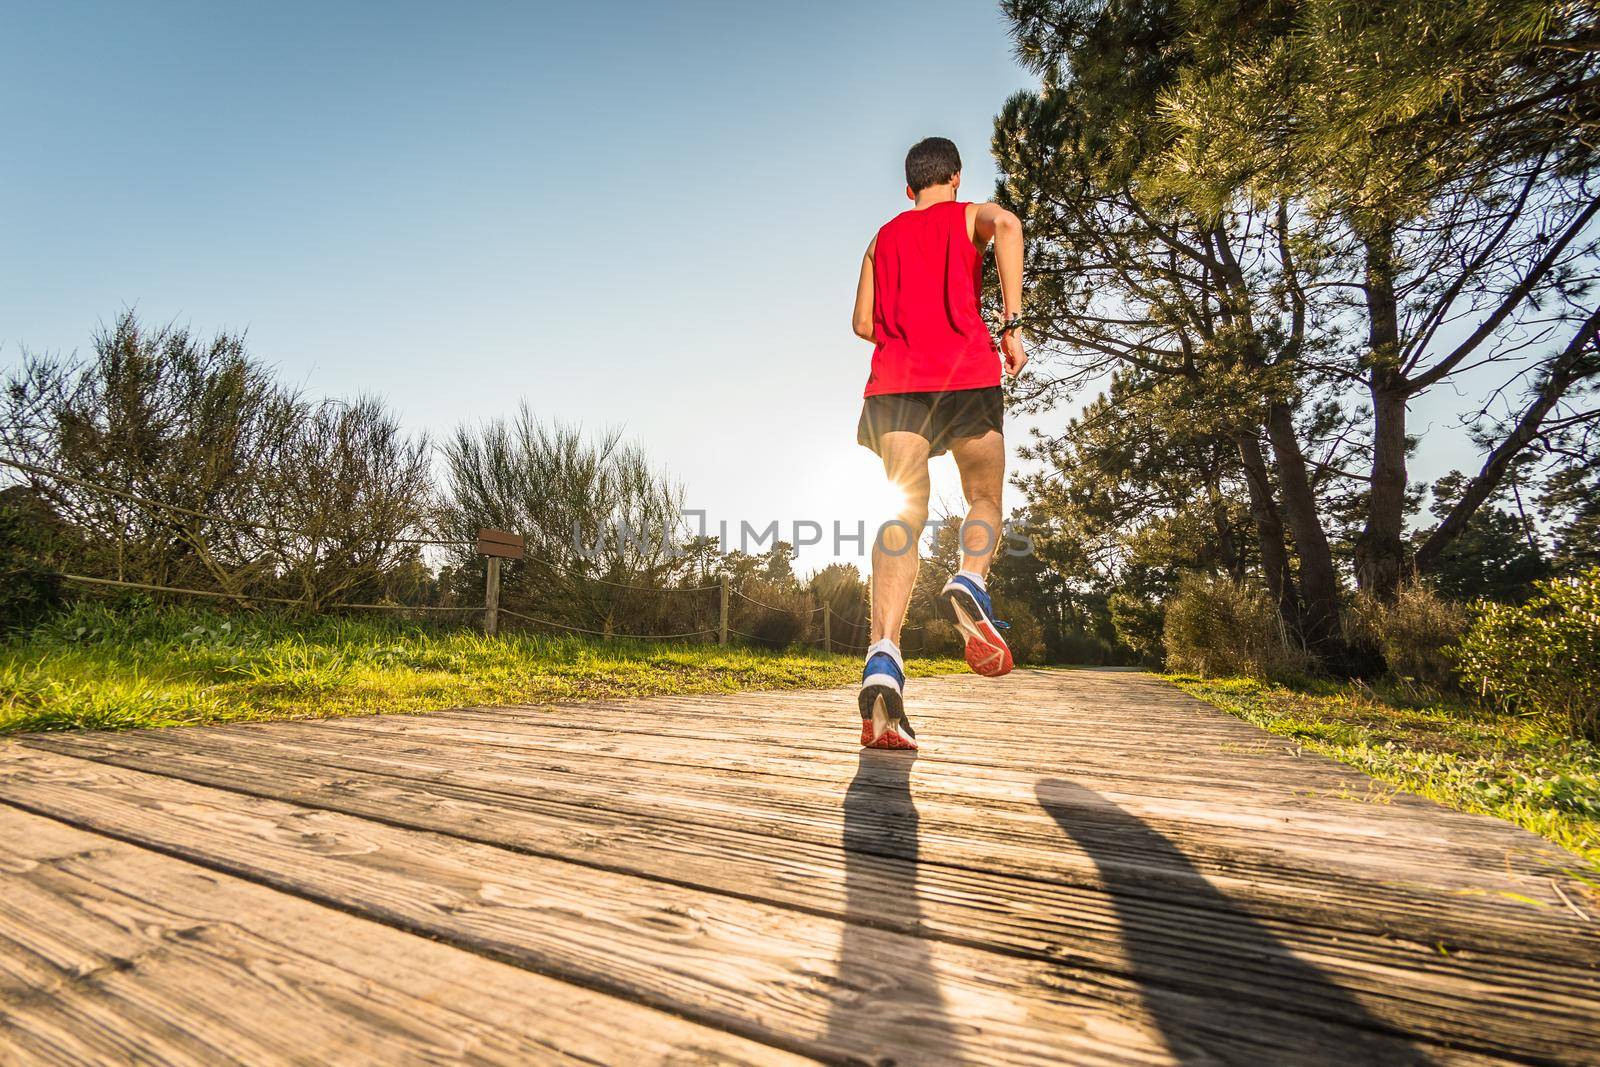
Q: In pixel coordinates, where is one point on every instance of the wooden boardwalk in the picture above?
(1080, 867)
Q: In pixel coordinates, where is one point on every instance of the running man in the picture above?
(935, 388)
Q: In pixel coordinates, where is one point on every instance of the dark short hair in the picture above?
(931, 161)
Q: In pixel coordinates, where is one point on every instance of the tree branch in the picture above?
(1567, 368)
(1535, 274)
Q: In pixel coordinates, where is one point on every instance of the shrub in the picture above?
(28, 586)
(1138, 624)
(1541, 657)
(1215, 626)
(1023, 633)
(1415, 634)
(772, 613)
(1079, 647)
(938, 638)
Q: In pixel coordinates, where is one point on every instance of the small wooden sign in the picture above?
(501, 543)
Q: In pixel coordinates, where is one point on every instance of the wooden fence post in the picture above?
(827, 628)
(491, 598)
(722, 626)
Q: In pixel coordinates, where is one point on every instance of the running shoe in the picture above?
(883, 711)
(966, 604)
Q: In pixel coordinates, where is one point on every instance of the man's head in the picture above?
(932, 161)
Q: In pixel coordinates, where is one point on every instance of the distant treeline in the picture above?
(170, 460)
(166, 459)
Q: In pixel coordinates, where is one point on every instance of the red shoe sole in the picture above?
(880, 703)
(989, 655)
(986, 651)
(890, 738)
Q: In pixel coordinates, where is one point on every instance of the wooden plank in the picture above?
(1206, 944)
(640, 734)
(959, 744)
(114, 954)
(1322, 805)
(1287, 776)
(1333, 891)
(1151, 712)
(1383, 885)
(785, 977)
(1267, 775)
(1046, 699)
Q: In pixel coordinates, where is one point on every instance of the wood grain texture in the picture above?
(114, 954)
(1080, 867)
(1280, 824)
(1481, 991)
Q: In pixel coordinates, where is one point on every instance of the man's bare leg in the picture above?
(894, 550)
(894, 574)
(982, 462)
(965, 597)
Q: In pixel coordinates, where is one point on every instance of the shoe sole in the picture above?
(987, 652)
(883, 719)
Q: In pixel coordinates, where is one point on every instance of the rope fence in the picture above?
(770, 607)
(603, 633)
(246, 598)
(491, 608)
(623, 585)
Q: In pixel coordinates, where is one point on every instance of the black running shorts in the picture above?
(940, 417)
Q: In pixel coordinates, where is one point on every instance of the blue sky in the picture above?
(647, 216)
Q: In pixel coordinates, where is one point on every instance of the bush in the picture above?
(1086, 649)
(1415, 634)
(1215, 626)
(1138, 624)
(939, 638)
(28, 587)
(1023, 633)
(1541, 657)
(771, 613)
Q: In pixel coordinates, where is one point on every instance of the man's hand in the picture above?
(994, 222)
(1011, 349)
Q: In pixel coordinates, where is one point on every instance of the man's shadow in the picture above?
(886, 1002)
(1218, 984)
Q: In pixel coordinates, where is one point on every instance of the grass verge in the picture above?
(95, 668)
(1517, 768)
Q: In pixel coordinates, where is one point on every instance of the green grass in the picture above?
(1518, 768)
(95, 668)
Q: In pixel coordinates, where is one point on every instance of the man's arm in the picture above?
(861, 321)
(995, 223)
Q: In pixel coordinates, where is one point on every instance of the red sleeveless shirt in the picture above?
(926, 277)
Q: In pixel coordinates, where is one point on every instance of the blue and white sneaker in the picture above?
(883, 710)
(966, 604)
